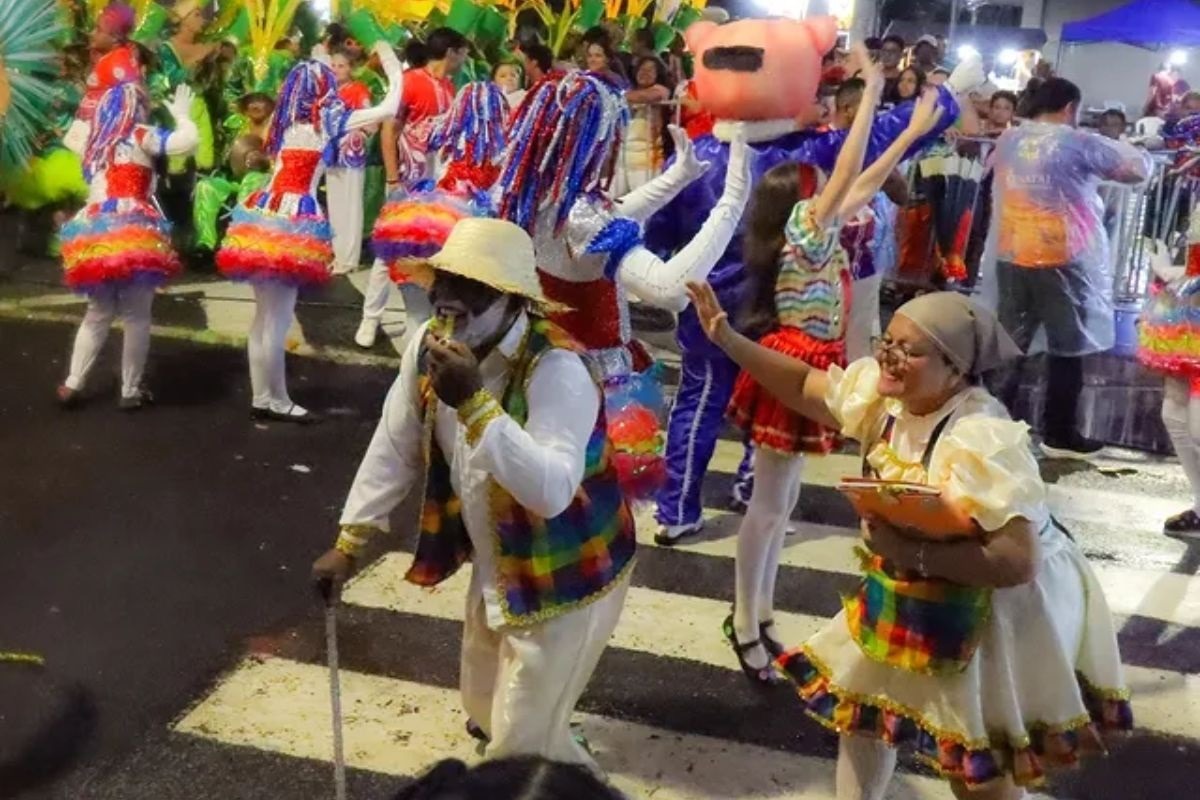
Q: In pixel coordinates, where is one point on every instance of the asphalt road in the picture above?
(147, 555)
(144, 553)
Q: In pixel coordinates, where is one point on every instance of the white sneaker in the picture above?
(669, 535)
(368, 329)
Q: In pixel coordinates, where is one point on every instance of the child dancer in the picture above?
(279, 239)
(802, 283)
(1168, 344)
(117, 250)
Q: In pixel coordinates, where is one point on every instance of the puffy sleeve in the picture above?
(986, 465)
(853, 397)
(594, 227)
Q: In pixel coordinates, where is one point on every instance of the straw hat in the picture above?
(494, 252)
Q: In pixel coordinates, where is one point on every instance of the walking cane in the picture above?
(329, 593)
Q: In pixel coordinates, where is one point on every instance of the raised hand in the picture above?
(714, 321)
(685, 153)
(390, 63)
(861, 65)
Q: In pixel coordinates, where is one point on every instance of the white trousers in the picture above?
(344, 190)
(521, 685)
(375, 299)
(133, 303)
(274, 309)
(863, 322)
(1181, 417)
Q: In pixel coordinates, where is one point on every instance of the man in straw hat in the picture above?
(496, 413)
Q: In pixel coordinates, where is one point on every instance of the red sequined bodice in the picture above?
(297, 171)
(595, 319)
(128, 181)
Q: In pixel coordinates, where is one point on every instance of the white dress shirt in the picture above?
(541, 465)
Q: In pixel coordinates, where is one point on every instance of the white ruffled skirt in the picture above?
(1044, 681)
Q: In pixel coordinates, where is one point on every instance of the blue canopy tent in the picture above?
(1142, 23)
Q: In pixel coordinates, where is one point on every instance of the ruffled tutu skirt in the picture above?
(1169, 330)
(415, 225)
(769, 423)
(1045, 680)
(118, 241)
(287, 242)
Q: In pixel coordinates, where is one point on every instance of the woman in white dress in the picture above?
(993, 657)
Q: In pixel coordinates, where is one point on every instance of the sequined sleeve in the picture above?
(593, 227)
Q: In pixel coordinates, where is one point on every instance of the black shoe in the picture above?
(137, 402)
(1183, 526)
(774, 647)
(295, 415)
(476, 732)
(1074, 445)
(68, 398)
(766, 676)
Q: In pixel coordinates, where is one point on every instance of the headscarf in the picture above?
(970, 336)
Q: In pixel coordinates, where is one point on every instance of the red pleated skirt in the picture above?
(769, 423)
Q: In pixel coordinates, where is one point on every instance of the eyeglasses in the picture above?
(897, 353)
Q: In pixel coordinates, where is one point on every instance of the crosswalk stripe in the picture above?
(1164, 701)
(399, 727)
(1168, 596)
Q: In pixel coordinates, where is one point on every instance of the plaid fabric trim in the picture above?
(975, 762)
(923, 625)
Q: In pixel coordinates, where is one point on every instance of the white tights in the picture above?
(760, 543)
(133, 304)
(1181, 416)
(274, 309)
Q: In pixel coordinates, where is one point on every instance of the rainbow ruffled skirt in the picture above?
(1169, 330)
(117, 242)
(414, 227)
(261, 245)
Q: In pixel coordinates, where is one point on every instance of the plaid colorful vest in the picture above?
(546, 567)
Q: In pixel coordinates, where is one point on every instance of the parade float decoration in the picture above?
(29, 30)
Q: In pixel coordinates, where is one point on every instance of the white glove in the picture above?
(644, 202)
(967, 76)
(1161, 262)
(665, 285)
(180, 106)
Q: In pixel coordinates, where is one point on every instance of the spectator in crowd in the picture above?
(925, 54)
(1001, 109)
(507, 75)
(1189, 104)
(539, 62)
(1053, 270)
(600, 57)
(939, 76)
(647, 143)
(643, 45)
(891, 51)
(1112, 124)
(909, 85)
(1167, 88)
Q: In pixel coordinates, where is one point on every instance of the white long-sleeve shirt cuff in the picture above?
(392, 463)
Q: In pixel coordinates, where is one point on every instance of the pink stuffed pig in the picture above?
(758, 69)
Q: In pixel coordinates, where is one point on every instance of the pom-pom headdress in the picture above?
(28, 30)
(474, 128)
(565, 137)
(121, 110)
(309, 97)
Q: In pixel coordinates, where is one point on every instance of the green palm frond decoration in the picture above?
(29, 30)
